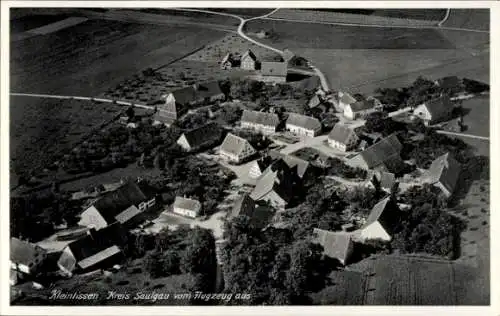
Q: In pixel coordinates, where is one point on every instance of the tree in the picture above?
(130, 113)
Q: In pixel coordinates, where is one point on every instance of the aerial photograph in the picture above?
(249, 156)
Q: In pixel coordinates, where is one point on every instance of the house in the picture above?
(303, 125)
(229, 61)
(359, 109)
(336, 245)
(186, 207)
(236, 149)
(26, 257)
(443, 173)
(124, 205)
(201, 137)
(273, 71)
(345, 99)
(288, 55)
(98, 249)
(381, 223)
(434, 111)
(258, 213)
(263, 122)
(314, 101)
(249, 61)
(382, 156)
(278, 185)
(342, 138)
(257, 167)
(386, 181)
(179, 101)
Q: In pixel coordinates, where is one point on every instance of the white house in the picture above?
(342, 138)
(380, 224)
(236, 149)
(434, 111)
(26, 257)
(359, 109)
(303, 125)
(263, 122)
(187, 207)
(345, 99)
(443, 173)
(248, 61)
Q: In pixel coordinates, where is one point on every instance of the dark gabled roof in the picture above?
(335, 244)
(184, 95)
(362, 105)
(128, 214)
(208, 89)
(244, 205)
(445, 170)
(278, 179)
(294, 163)
(439, 106)
(187, 204)
(24, 252)
(258, 213)
(262, 118)
(387, 180)
(303, 121)
(381, 152)
(386, 212)
(115, 202)
(204, 134)
(273, 68)
(97, 241)
(341, 133)
(233, 144)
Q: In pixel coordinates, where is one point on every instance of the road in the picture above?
(463, 135)
(73, 97)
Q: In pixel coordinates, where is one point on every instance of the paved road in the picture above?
(463, 135)
(445, 17)
(73, 97)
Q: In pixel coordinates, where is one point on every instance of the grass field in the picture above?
(321, 36)
(347, 288)
(243, 12)
(478, 19)
(25, 23)
(417, 14)
(86, 60)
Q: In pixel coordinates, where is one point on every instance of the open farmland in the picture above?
(86, 59)
(42, 128)
(478, 19)
(347, 288)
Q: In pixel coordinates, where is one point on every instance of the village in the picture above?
(271, 160)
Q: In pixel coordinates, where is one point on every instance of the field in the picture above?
(177, 16)
(24, 23)
(347, 288)
(478, 19)
(42, 128)
(478, 123)
(243, 12)
(418, 14)
(86, 59)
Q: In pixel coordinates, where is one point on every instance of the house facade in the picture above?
(236, 149)
(381, 223)
(249, 61)
(303, 125)
(263, 122)
(345, 99)
(203, 136)
(26, 257)
(359, 109)
(187, 207)
(434, 111)
(342, 138)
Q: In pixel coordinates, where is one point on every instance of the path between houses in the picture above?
(72, 97)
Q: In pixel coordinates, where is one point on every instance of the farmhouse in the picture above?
(249, 61)
(303, 125)
(443, 173)
(178, 101)
(205, 136)
(386, 181)
(380, 224)
(359, 109)
(336, 245)
(345, 99)
(229, 61)
(382, 156)
(273, 71)
(258, 213)
(236, 149)
(26, 257)
(124, 205)
(99, 249)
(277, 185)
(266, 123)
(299, 166)
(434, 111)
(342, 138)
(257, 167)
(186, 207)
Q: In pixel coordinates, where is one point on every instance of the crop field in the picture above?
(409, 280)
(347, 288)
(243, 12)
(321, 36)
(194, 17)
(400, 17)
(231, 43)
(42, 128)
(478, 19)
(24, 23)
(84, 60)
